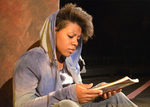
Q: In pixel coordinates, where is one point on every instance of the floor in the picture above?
(103, 74)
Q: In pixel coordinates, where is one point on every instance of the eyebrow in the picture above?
(75, 33)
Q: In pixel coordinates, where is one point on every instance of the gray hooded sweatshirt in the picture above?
(36, 78)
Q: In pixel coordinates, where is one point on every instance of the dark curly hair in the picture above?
(75, 15)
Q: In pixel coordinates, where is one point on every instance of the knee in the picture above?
(66, 103)
(121, 95)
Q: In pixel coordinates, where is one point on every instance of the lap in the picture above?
(119, 100)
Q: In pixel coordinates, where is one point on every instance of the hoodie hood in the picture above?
(48, 42)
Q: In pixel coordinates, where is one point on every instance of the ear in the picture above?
(55, 29)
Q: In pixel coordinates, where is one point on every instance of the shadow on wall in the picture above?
(6, 94)
(36, 44)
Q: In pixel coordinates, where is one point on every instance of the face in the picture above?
(67, 39)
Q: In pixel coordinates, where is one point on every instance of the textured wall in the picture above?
(20, 23)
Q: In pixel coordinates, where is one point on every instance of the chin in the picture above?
(67, 55)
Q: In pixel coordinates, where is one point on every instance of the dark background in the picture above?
(122, 31)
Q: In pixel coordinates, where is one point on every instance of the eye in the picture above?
(70, 36)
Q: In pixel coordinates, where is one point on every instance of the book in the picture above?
(121, 83)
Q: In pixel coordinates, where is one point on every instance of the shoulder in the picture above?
(35, 53)
(33, 57)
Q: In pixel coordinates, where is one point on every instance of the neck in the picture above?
(60, 60)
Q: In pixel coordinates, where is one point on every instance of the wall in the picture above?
(20, 23)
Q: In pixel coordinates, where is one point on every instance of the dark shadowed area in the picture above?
(122, 31)
(120, 45)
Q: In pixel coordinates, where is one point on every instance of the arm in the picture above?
(25, 91)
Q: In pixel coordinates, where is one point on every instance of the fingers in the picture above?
(86, 97)
(118, 90)
(91, 95)
(99, 92)
(106, 95)
(85, 100)
(112, 93)
(84, 94)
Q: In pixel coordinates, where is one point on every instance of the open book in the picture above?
(121, 83)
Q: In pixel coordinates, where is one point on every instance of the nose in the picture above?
(75, 42)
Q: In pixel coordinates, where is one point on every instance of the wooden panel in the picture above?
(20, 23)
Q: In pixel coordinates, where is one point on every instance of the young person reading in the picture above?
(49, 75)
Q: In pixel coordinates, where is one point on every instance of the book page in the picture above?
(121, 83)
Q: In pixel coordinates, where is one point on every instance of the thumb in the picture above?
(87, 86)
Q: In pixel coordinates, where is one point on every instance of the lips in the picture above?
(71, 50)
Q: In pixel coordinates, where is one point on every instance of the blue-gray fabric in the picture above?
(36, 78)
(65, 76)
(119, 100)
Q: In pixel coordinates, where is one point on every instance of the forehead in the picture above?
(73, 28)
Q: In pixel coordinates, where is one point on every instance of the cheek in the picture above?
(64, 44)
(61, 44)
(64, 41)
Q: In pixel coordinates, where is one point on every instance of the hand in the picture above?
(84, 94)
(110, 93)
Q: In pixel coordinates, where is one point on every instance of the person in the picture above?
(49, 75)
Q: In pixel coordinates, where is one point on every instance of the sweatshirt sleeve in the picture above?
(54, 97)
(25, 93)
